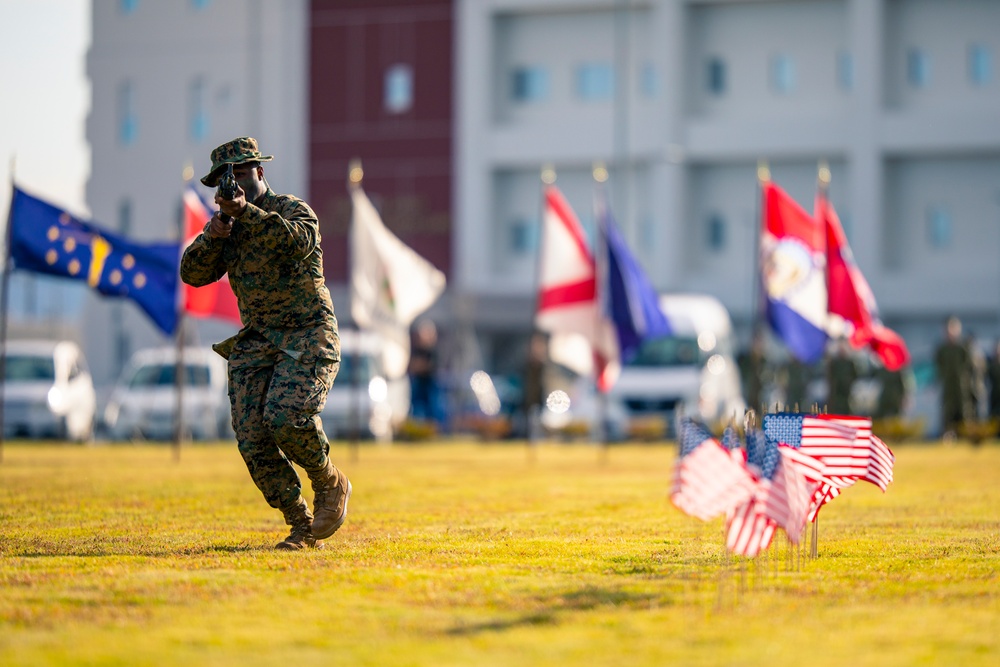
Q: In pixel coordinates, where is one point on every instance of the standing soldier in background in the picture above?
(283, 361)
(993, 378)
(841, 373)
(796, 385)
(533, 399)
(753, 371)
(894, 391)
(951, 361)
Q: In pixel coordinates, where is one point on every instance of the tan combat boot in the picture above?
(298, 517)
(333, 490)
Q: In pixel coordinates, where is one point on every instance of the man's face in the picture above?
(248, 177)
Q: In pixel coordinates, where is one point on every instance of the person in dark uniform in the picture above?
(753, 371)
(533, 398)
(425, 394)
(841, 374)
(952, 364)
(283, 361)
(894, 391)
(993, 378)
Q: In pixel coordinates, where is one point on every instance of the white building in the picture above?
(900, 97)
(171, 81)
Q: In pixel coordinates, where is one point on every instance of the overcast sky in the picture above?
(44, 100)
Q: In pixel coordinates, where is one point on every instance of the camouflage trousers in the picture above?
(276, 402)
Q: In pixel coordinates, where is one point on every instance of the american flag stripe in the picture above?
(882, 461)
(836, 445)
(788, 497)
(749, 531)
(708, 482)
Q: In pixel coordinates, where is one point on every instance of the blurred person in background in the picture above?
(533, 399)
(425, 392)
(841, 374)
(283, 361)
(977, 378)
(895, 389)
(752, 363)
(993, 378)
(796, 385)
(952, 364)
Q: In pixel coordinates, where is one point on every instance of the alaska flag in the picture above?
(793, 274)
(47, 239)
(631, 302)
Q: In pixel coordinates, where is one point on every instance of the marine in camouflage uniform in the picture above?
(952, 364)
(283, 361)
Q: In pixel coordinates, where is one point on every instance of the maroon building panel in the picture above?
(406, 151)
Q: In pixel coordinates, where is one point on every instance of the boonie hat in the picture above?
(237, 151)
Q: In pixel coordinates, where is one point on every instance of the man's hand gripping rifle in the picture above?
(227, 189)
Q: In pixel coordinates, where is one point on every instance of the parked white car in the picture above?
(693, 369)
(363, 401)
(144, 401)
(48, 391)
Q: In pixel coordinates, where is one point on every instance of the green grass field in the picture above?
(474, 554)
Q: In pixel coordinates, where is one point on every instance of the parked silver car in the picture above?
(48, 391)
(144, 401)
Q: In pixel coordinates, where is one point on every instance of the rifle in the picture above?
(227, 189)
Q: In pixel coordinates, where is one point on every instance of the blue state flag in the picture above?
(47, 239)
(632, 303)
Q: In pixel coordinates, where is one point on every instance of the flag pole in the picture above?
(355, 175)
(4, 291)
(547, 176)
(822, 188)
(600, 175)
(757, 297)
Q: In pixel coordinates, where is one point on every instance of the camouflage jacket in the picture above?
(275, 266)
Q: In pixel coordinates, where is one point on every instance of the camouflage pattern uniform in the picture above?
(283, 362)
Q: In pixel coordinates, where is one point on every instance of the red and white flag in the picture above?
(850, 297)
(215, 299)
(581, 338)
(749, 530)
(708, 482)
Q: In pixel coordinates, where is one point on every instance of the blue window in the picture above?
(398, 88)
(918, 68)
(128, 124)
(198, 119)
(200, 4)
(939, 227)
(716, 232)
(523, 236)
(595, 81)
(530, 84)
(649, 80)
(716, 76)
(128, 6)
(845, 70)
(980, 64)
(782, 73)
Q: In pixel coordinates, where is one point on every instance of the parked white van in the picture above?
(48, 391)
(693, 369)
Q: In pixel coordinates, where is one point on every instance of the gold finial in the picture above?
(600, 172)
(187, 173)
(763, 171)
(548, 174)
(354, 171)
(824, 173)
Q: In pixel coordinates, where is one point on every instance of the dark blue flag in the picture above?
(632, 304)
(47, 239)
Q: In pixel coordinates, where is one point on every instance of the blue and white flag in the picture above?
(47, 239)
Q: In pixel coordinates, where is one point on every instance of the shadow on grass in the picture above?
(585, 599)
(117, 551)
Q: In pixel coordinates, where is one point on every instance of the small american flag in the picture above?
(748, 530)
(708, 481)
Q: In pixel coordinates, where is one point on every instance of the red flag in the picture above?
(849, 295)
(216, 299)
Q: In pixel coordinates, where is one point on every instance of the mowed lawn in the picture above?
(484, 554)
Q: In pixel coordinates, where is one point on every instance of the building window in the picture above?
(200, 4)
(939, 227)
(523, 237)
(716, 232)
(198, 111)
(716, 76)
(530, 84)
(980, 64)
(918, 68)
(595, 81)
(398, 88)
(845, 71)
(649, 80)
(128, 124)
(782, 74)
(128, 6)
